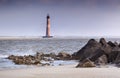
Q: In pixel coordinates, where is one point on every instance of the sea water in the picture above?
(31, 46)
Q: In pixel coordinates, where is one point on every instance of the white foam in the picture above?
(3, 56)
(22, 53)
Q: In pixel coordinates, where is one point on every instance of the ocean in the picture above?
(31, 46)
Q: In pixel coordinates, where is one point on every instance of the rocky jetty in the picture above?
(96, 53)
(39, 58)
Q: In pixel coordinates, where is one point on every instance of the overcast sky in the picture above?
(68, 17)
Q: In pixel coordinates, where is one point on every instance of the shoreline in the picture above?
(54, 64)
(59, 65)
(66, 71)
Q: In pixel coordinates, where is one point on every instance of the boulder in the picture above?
(102, 60)
(64, 56)
(46, 64)
(98, 57)
(119, 45)
(86, 63)
(88, 50)
(39, 55)
(111, 44)
(97, 54)
(117, 60)
(116, 44)
(36, 62)
(107, 48)
(103, 41)
(112, 56)
(18, 61)
(26, 60)
(53, 55)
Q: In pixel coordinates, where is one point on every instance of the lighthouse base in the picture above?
(47, 36)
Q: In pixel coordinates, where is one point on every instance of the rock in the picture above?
(103, 41)
(26, 60)
(117, 60)
(116, 49)
(39, 55)
(61, 64)
(64, 56)
(11, 57)
(46, 64)
(48, 59)
(86, 63)
(88, 50)
(119, 45)
(107, 49)
(53, 55)
(36, 59)
(37, 62)
(116, 44)
(112, 56)
(97, 54)
(102, 60)
(111, 44)
(98, 57)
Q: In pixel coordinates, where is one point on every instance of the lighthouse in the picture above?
(48, 28)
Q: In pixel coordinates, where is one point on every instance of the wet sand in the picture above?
(67, 71)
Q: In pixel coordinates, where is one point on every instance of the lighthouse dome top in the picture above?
(48, 16)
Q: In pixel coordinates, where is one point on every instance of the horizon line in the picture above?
(61, 36)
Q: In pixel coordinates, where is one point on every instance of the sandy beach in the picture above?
(67, 71)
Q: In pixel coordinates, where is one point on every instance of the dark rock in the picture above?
(37, 62)
(116, 44)
(107, 48)
(39, 55)
(98, 58)
(119, 45)
(97, 54)
(46, 64)
(102, 60)
(116, 49)
(88, 50)
(48, 59)
(53, 55)
(86, 63)
(11, 57)
(64, 56)
(117, 60)
(27, 60)
(18, 61)
(111, 44)
(112, 56)
(38, 58)
(103, 41)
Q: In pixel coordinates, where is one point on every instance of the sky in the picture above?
(68, 17)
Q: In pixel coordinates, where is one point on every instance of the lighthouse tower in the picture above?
(48, 28)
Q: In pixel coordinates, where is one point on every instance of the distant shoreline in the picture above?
(41, 37)
(11, 37)
(82, 37)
